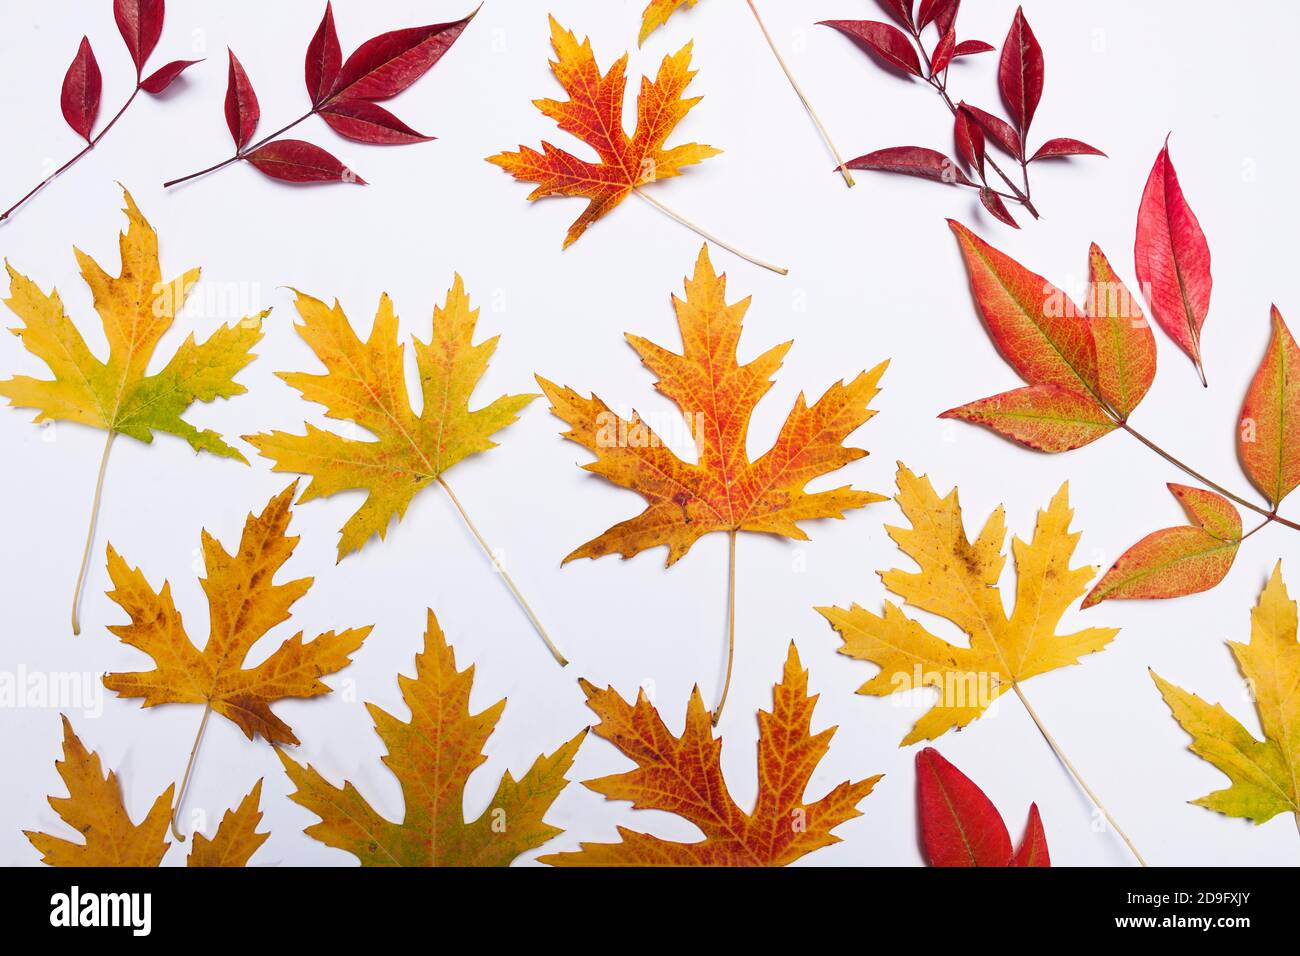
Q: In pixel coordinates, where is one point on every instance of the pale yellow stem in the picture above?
(731, 623)
(781, 270)
(90, 534)
(189, 769)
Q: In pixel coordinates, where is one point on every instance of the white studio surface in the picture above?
(874, 274)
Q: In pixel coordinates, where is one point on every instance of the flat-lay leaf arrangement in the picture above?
(1086, 370)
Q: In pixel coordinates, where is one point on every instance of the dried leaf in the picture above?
(996, 207)
(1048, 418)
(1268, 433)
(887, 43)
(432, 756)
(656, 15)
(82, 85)
(683, 775)
(1126, 348)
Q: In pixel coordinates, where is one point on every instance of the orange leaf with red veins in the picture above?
(1268, 434)
(1126, 347)
(723, 490)
(594, 113)
(1044, 417)
(1174, 562)
(683, 775)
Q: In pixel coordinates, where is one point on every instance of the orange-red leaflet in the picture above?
(723, 490)
(682, 774)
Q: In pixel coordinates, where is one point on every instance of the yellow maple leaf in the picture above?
(957, 579)
(683, 775)
(1264, 773)
(244, 604)
(432, 756)
(657, 13)
(94, 808)
(364, 382)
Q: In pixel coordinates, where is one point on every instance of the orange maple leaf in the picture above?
(594, 113)
(683, 775)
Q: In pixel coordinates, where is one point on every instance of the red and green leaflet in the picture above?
(902, 49)
(343, 93)
(961, 827)
(140, 22)
(1087, 369)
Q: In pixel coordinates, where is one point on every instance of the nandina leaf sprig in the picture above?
(594, 114)
(723, 490)
(1087, 369)
(344, 93)
(959, 579)
(140, 22)
(1020, 80)
(118, 395)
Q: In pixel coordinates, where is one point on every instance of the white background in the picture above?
(874, 273)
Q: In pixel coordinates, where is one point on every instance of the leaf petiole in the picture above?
(731, 623)
(780, 270)
(189, 770)
(90, 534)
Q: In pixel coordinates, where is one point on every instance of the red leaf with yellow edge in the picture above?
(433, 755)
(885, 42)
(1046, 418)
(94, 808)
(244, 603)
(1174, 562)
(682, 774)
(1268, 433)
(1172, 259)
(1126, 348)
(724, 490)
(594, 113)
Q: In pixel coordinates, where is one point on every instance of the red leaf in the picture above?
(971, 47)
(242, 111)
(323, 58)
(943, 52)
(367, 122)
(1020, 72)
(1172, 259)
(384, 66)
(81, 88)
(996, 207)
(1209, 510)
(1064, 146)
(140, 22)
(1268, 434)
(970, 139)
(1126, 349)
(164, 76)
(999, 130)
(888, 43)
(913, 161)
(1046, 418)
(959, 824)
(296, 161)
(941, 13)
(900, 10)
(1169, 563)
(1033, 846)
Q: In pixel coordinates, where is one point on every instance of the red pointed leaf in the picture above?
(971, 47)
(941, 13)
(140, 22)
(82, 85)
(1268, 433)
(1126, 347)
(996, 207)
(296, 161)
(1042, 417)
(943, 52)
(1020, 72)
(913, 161)
(324, 58)
(242, 111)
(1042, 334)
(900, 10)
(970, 140)
(1172, 259)
(886, 42)
(1033, 846)
(163, 77)
(1064, 146)
(368, 122)
(959, 824)
(387, 64)
(998, 129)
(1169, 563)
(1208, 510)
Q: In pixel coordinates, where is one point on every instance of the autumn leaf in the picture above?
(657, 13)
(961, 827)
(1268, 433)
(683, 776)
(1263, 773)
(1020, 73)
(958, 579)
(94, 808)
(1174, 562)
(244, 604)
(594, 113)
(433, 755)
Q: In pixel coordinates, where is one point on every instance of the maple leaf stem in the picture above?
(90, 534)
(91, 144)
(731, 623)
(1060, 754)
(496, 565)
(189, 770)
(708, 235)
(242, 153)
(812, 114)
